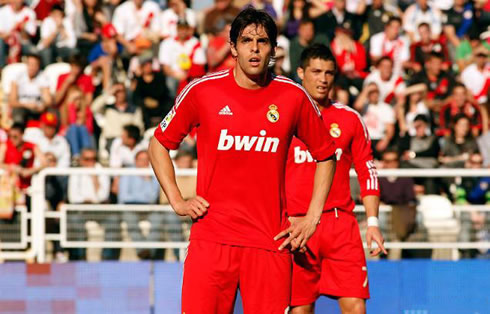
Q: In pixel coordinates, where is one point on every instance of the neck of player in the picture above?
(323, 102)
(248, 81)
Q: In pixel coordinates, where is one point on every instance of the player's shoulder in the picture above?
(288, 85)
(209, 80)
(351, 116)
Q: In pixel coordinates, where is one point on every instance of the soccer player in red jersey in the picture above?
(334, 263)
(245, 120)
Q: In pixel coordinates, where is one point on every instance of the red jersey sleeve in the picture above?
(310, 129)
(362, 156)
(179, 121)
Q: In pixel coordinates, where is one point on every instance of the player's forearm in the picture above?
(371, 204)
(164, 171)
(324, 174)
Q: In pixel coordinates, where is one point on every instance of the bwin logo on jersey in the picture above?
(301, 156)
(247, 143)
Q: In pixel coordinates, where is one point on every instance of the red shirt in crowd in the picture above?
(217, 43)
(243, 141)
(353, 145)
(22, 156)
(450, 110)
(350, 61)
(84, 81)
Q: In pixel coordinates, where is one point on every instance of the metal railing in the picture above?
(36, 241)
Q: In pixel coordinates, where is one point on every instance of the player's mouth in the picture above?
(321, 89)
(254, 61)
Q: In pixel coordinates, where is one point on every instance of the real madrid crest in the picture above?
(335, 130)
(273, 114)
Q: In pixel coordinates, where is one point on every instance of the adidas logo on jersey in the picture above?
(226, 111)
(301, 156)
(247, 143)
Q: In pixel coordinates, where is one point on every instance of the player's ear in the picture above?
(301, 73)
(234, 52)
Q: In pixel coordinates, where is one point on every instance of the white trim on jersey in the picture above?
(212, 76)
(289, 81)
(341, 106)
(372, 182)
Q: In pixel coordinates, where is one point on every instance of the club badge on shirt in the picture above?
(273, 114)
(335, 130)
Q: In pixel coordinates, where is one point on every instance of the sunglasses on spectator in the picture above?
(390, 160)
(89, 158)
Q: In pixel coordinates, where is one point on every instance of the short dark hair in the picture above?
(133, 132)
(421, 117)
(384, 58)
(435, 54)
(18, 126)
(306, 21)
(459, 84)
(58, 7)
(35, 56)
(251, 16)
(394, 19)
(316, 51)
(78, 60)
(424, 24)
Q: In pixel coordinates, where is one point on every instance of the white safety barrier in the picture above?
(35, 243)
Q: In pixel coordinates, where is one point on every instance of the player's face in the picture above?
(253, 50)
(318, 78)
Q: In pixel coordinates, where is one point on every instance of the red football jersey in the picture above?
(243, 142)
(353, 145)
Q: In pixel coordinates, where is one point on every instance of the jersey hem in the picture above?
(241, 244)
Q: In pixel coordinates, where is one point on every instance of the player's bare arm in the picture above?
(164, 170)
(302, 228)
(371, 204)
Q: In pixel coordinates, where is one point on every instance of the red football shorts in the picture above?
(213, 272)
(334, 265)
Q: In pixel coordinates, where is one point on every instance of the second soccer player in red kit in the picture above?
(245, 120)
(334, 263)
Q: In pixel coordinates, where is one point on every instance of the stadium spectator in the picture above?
(476, 76)
(338, 16)
(145, 190)
(58, 38)
(55, 185)
(399, 192)
(88, 20)
(112, 117)
(391, 85)
(177, 10)
(439, 83)
(89, 189)
(138, 25)
(151, 93)
(391, 44)
(22, 158)
(422, 12)
(53, 143)
(74, 77)
(462, 102)
(218, 53)
(414, 106)
(29, 94)
(458, 21)
(457, 148)
(76, 122)
(17, 30)
(263, 5)
(124, 148)
(222, 9)
(182, 58)
(297, 10)
(421, 49)
(379, 118)
(105, 57)
(377, 14)
(306, 37)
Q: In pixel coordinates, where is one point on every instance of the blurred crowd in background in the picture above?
(85, 82)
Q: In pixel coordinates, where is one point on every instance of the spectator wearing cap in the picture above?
(306, 37)
(177, 10)
(29, 94)
(422, 12)
(391, 44)
(89, 18)
(58, 39)
(391, 85)
(77, 77)
(378, 116)
(338, 16)
(461, 102)
(458, 146)
(421, 49)
(138, 24)
(414, 106)
(17, 29)
(476, 76)
(439, 83)
(151, 93)
(219, 52)
(105, 56)
(182, 58)
(351, 60)
(220, 9)
(53, 143)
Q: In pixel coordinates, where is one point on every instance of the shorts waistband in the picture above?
(336, 210)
